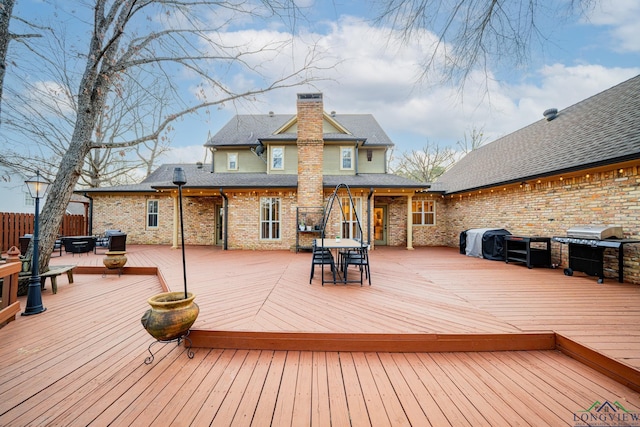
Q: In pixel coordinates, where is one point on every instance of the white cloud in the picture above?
(374, 76)
(185, 154)
(622, 16)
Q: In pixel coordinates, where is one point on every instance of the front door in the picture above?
(380, 225)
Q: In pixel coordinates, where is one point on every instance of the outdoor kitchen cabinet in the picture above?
(520, 249)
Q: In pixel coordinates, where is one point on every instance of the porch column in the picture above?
(409, 223)
(176, 221)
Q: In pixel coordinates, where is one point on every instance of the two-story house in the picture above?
(270, 176)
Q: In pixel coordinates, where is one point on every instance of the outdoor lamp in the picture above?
(180, 179)
(37, 189)
(37, 186)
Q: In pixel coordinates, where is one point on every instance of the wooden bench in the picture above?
(54, 272)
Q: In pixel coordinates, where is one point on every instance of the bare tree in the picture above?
(44, 114)
(425, 165)
(161, 38)
(6, 9)
(472, 140)
(471, 34)
(6, 14)
(129, 114)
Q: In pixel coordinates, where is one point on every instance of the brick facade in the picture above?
(310, 149)
(548, 208)
(128, 213)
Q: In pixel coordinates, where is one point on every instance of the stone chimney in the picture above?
(310, 149)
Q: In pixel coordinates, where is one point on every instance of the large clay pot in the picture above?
(170, 316)
(115, 260)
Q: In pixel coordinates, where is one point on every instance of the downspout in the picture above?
(356, 158)
(409, 222)
(90, 219)
(225, 208)
(386, 160)
(369, 215)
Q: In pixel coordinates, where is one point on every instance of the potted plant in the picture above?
(309, 223)
(172, 313)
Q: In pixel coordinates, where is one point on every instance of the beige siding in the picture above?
(331, 165)
(290, 159)
(377, 163)
(247, 160)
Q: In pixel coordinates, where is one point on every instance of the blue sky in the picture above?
(374, 76)
(582, 59)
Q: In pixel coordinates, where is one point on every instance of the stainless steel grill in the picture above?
(586, 248)
(598, 232)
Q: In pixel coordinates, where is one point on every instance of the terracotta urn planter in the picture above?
(170, 316)
(114, 259)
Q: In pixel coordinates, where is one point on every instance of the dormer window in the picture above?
(232, 161)
(346, 158)
(277, 158)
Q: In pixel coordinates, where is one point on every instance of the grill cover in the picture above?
(485, 243)
(595, 231)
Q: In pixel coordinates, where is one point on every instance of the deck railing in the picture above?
(9, 305)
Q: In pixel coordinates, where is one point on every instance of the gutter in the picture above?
(369, 215)
(90, 219)
(226, 221)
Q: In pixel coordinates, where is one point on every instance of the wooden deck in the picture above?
(300, 354)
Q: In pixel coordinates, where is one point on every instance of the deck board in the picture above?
(81, 361)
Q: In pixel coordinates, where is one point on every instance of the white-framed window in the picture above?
(346, 158)
(277, 158)
(28, 200)
(232, 161)
(350, 216)
(424, 212)
(270, 218)
(152, 213)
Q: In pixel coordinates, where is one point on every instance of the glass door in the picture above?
(380, 225)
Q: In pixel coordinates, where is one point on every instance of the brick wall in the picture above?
(128, 213)
(199, 220)
(548, 208)
(310, 149)
(244, 220)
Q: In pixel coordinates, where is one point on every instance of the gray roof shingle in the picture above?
(200, 177)
(245, 129)
(603, 129)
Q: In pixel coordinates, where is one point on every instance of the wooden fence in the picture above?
(15, 225)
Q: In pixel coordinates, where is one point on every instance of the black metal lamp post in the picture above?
(37, 189)
(180, 179)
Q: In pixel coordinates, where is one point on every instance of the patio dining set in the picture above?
(348, 252)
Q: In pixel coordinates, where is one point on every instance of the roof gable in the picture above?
(329, 126)
(247, 130)
(603, 129)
